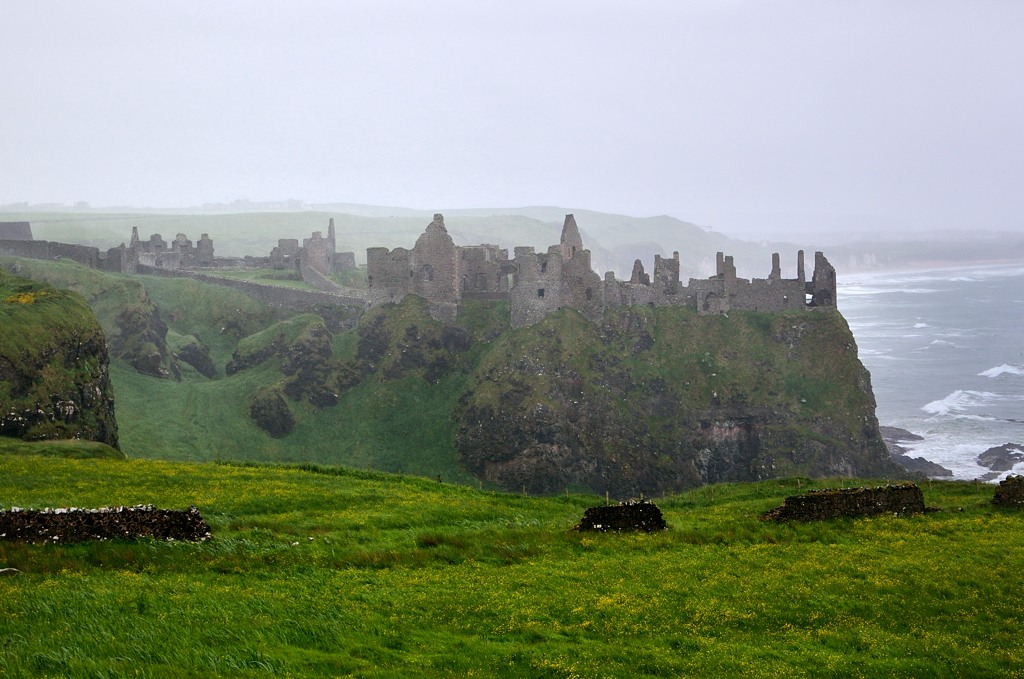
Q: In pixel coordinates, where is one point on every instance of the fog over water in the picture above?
(758, 118)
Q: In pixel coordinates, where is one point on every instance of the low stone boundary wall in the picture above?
(833, 503)
(625, 516)
(106, 523)
(1009, 492)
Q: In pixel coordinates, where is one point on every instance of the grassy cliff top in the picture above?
(32, 314)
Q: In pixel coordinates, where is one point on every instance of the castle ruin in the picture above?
(444, 274)
(178, 254)
(537, 284)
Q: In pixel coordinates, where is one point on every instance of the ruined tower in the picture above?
(571, 242)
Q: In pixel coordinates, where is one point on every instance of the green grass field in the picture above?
(335, 572)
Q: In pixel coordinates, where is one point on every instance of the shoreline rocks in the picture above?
(893, 437)
(1002, 458)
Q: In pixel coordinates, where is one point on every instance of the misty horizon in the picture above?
(758, 120)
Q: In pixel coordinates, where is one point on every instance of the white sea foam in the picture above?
(1016, 470)
(959, 401)
(938, 344)
(921, 325)
(1004, 369)
(959, 458)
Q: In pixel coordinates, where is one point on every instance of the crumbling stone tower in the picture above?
(430, 270)
(562, 277)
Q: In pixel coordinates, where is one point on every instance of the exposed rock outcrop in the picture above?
(660, 399)
(270, 411)
(141, 339)
(1002, 458)
(54, 372)
(197, 355)
(894, 437)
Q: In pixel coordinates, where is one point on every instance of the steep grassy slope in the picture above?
(54, 379)
(333, 572)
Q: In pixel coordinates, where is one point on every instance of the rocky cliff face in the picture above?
(658, 399)
(54, 378)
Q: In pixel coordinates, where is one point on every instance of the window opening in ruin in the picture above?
(543, 266)
(540, 292)
(428, 272)
(808, 299)
(590, 293)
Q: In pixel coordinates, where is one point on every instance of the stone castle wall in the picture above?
(45, 249)
(15, 231)
(537, 284)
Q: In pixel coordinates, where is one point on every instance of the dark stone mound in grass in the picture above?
(1010, 492)
(833, 503)
(106, 523)
(625, 516)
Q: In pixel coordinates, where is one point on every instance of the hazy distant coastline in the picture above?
(244, 228)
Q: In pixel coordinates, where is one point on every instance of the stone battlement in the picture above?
(538, 284)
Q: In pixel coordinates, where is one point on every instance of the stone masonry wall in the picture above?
(833, 503)
(542, 283)
(15, 231)
(44, 249)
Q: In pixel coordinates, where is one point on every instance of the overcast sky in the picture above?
(751, 116)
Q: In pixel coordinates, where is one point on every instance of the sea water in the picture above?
(945, 349)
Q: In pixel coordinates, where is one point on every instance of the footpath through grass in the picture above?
(333, 572)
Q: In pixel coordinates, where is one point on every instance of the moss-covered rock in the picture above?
(54, 373)
(658, 399)
(270, 411)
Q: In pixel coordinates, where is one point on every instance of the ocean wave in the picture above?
(1004, 369)
(938, 344)
(856, 291)
(921, 325)
(959, 401)
(977, 418)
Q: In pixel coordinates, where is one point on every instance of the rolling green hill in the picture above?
(335, 572)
